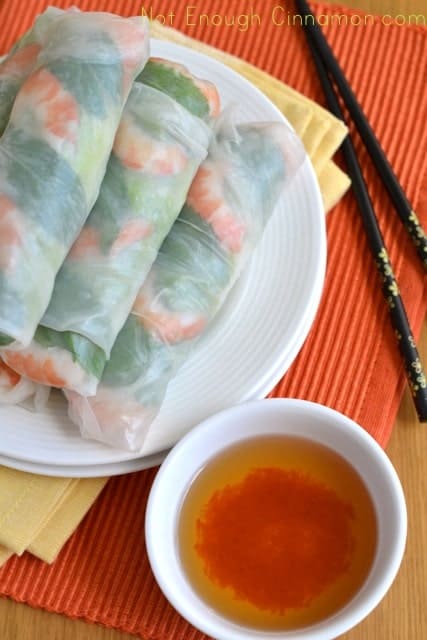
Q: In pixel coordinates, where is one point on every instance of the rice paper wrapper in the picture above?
(54, 152)
(230, 202)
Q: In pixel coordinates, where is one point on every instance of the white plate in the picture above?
(253, 342)
(93, 471)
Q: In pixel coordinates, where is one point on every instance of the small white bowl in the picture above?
(264, 417)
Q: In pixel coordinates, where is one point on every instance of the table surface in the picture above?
(402, 614)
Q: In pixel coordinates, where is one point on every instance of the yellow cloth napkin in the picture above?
(64, 519)
(25, 501)
(39, 513)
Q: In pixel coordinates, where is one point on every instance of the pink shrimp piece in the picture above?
(21, 62)
(132, 231)
(211, 94)
(138, 151)
(86, 245)
(41, 370)
(206, 88)
(131, 40)
(55, 108)
(207, 200)
(11, 233)
(8, 377)
(170, 326)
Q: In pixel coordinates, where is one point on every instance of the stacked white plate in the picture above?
(251, 344)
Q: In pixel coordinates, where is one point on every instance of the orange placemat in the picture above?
(349, 361)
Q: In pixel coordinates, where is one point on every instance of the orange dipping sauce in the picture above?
(277, 532)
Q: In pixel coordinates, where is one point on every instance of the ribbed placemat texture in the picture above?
(349, 361)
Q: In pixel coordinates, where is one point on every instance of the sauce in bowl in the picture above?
(277, 532)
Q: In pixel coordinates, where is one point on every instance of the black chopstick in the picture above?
(398, 196)
(399, 318)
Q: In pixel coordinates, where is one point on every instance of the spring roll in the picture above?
(54, 153)
(231, 199)
(157, 151)
(17, 65)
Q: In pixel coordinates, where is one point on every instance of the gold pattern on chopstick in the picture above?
(417, 232)
(420, 381)
(410, 339)
(386, 270)
(394, 289)
(413, 218)
(385, 264)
